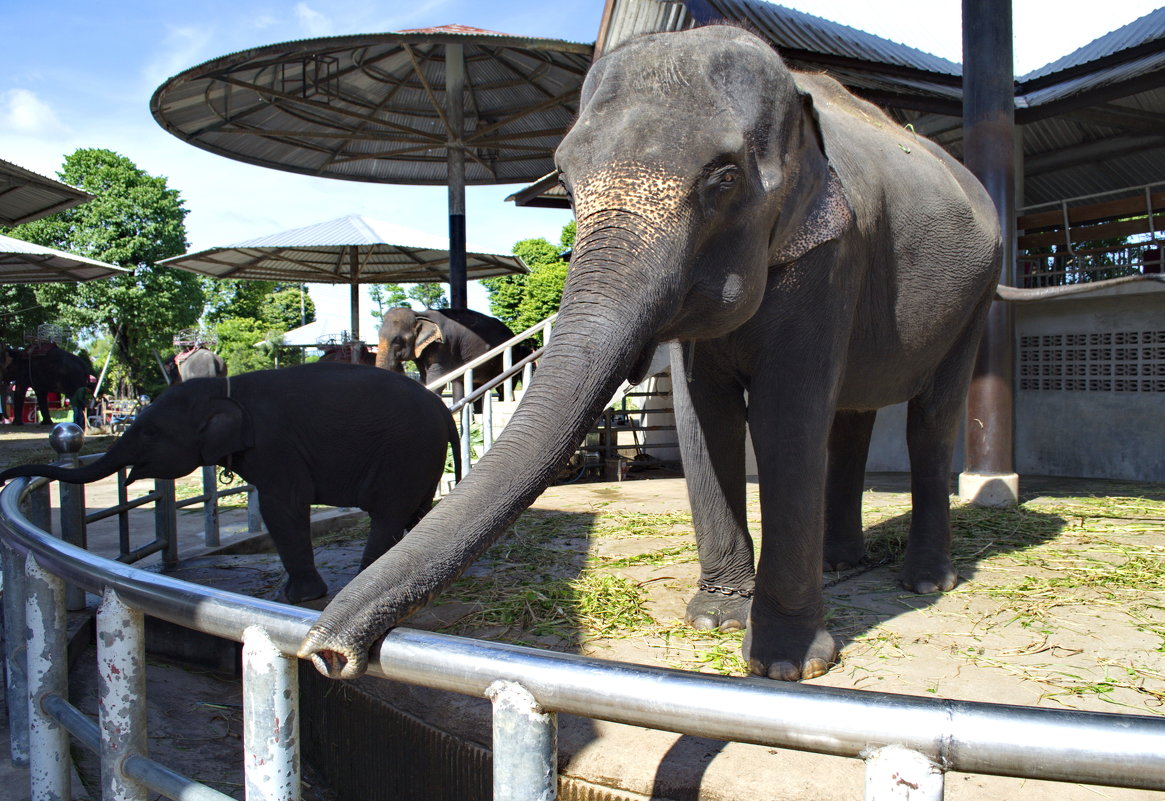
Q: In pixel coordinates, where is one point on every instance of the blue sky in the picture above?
(80, 74)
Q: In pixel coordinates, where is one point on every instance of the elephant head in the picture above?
(404, 335)
(194, 423)
(695, 167)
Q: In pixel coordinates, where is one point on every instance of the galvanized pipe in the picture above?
(169, 783)
(270, 719)
(1060, 745)
(525, 745)
(121, 675)
(15, 655)
(48, 741)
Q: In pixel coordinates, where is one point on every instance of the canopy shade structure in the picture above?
(350, 250)
(450, 105)
(25, 263)
(26, 196)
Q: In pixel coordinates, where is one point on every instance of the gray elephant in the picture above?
(440, 341)
(332, 433)
(198, 362)
(809, 261)
(47, 367)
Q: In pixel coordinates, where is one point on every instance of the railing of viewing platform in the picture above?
(908, 743)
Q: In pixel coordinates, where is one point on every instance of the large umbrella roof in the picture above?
(372, 107)
(347, 250)
(26, 196)
(26, 263)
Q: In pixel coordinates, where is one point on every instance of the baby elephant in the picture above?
(326, 433)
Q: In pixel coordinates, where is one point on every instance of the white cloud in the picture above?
(23, 112)
(181, 48)
(313, 22)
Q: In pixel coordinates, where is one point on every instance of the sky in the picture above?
(81, 74)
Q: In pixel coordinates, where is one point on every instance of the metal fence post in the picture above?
(895, 773)
(16, 655)
(210, 527)
(166, 520)
(270, 719)
(121, 673)
(254, 517)
(48, 741)
(525, 745)
(66, 439)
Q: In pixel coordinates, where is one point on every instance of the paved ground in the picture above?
(1061, 605)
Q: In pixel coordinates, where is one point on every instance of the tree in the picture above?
(133, 221)
(521, 301)
(286, 308)
(431, 296)
(387, 296)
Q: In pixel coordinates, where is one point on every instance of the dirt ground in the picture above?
(1061, 604)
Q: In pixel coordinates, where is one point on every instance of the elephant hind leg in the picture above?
(387, 527)
(289, 524)
(849, 445)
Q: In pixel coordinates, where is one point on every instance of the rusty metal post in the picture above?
(989, 477)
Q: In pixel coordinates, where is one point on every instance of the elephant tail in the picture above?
(455, 445)
(1016, 295)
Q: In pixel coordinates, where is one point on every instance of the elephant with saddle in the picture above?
(806, 261)
(329, 433)
(47, 367)
(198, 362)
(440, 341)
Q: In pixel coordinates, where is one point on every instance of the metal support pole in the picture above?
(989, 477)
(66, 439)
(895, 773)
(166, 520)
(270, 719)
(211, 525)
(354, 291)
(121, 673)
(455, 148)
(48, 741)
(16, 655)
(466, 434)
(254, 517)
(507, 363)
(525, 745)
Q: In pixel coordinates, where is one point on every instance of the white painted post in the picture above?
(894, 773)
(270, 720)
(47, 665)
(121, 675)
(16, 655)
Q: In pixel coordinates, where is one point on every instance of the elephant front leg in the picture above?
(849, 445)
(786, 637)
(710, 424)
(289, 524)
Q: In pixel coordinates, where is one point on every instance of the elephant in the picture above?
(440, 341)
(331, 433)
(806, 261)
(47, 367)
(198, 362)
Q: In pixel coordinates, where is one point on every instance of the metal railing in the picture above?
(908, 743)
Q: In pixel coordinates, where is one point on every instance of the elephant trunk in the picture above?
(610, 312)
(107, 465)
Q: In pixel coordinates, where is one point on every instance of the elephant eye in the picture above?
(727, 177)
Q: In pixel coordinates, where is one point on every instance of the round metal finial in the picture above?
(67, 438)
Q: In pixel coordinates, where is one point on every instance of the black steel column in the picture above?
(989, 141)
(455, 100)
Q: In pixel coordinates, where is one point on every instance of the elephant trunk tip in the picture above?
(333, 660)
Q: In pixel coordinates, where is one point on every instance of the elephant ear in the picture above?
(828, 212)
(428, 333)
(226, 429)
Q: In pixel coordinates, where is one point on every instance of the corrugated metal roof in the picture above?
(372, 107)
(26, 196)
(346, 250)
(28, 263)
(1148, 28)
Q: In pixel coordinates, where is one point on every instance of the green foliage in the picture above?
(431, 296)
(387, 296)
(133, 221)
(239, 346)
(521, 301)
(286, 309)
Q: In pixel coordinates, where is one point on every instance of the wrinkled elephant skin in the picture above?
(328, 433)
(809, 261)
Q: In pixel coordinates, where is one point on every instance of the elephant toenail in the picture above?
(704, 622)
(814, 668)
(784, 671)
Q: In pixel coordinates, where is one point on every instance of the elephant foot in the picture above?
(924, 575)
(715, 607)
(843, 555)
(303, 589)
(788, 649)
